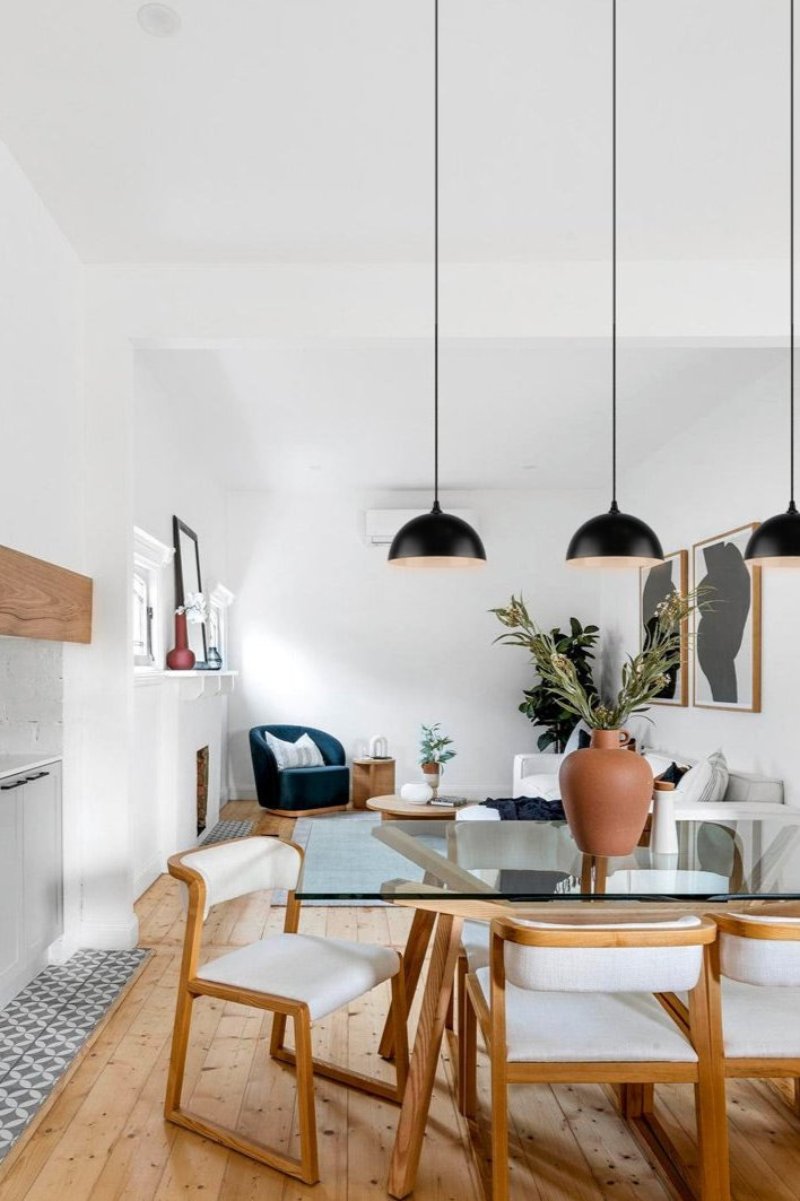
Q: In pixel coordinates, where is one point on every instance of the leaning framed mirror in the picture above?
(189, 583)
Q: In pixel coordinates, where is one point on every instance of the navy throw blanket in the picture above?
(527, 809)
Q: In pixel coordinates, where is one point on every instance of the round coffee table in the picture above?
(394, 808)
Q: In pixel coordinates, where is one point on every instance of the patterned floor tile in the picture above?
(44, 1027)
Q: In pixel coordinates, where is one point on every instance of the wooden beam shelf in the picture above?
(40, 600)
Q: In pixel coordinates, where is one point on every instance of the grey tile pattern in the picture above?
(43, 1028)
(225, 830)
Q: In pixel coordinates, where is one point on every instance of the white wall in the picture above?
(173, 473)
(730, 470)
(42, 492)
(327, 634)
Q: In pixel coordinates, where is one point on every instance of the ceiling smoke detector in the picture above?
(159, 20)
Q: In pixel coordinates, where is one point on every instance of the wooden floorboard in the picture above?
(103, 1138)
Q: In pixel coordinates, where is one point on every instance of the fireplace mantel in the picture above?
(191, 685)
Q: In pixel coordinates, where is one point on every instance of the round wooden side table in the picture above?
(394, 808)
(371, 777)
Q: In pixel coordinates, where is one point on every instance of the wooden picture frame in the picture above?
(188, 579)
(655, 585)
(727, 633)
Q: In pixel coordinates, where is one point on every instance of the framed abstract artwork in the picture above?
(727, 642)
(656, 584)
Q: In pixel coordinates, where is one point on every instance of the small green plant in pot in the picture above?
(434, 752)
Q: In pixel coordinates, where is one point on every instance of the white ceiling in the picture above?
(302, 129)
(513, 414)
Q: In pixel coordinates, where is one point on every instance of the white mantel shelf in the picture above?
(192, 685)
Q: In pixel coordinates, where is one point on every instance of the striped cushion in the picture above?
(303, 753)
(706, 781)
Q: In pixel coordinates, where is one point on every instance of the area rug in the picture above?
(222, 831)
(337, 848)
(44, 1027)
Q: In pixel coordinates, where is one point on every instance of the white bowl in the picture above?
(416, 794)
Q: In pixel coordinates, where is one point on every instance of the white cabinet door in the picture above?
(12, 948)
(40, 800)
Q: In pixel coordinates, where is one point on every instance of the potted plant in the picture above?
(606, 795)
(541, 706)
(434, 752)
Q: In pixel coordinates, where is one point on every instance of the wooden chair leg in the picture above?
(306, 1112)
(278, 1034)
(499, 1125)
(467, 1055)
(400, 1030)
(177, 1058)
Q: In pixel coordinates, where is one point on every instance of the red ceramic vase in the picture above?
(180, 658)
(606, 791)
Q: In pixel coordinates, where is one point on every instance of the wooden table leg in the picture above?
(419, 937)
(425, 1056)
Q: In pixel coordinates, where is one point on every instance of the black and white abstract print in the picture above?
(728, 636)
(656, 584)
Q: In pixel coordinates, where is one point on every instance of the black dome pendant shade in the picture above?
(436, 539)
(776, 542)
(614, 539)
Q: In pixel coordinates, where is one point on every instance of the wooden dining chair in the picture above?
(585, 1004)
(292, 975)
(759, 964)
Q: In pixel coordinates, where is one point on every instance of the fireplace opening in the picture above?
(202, 788)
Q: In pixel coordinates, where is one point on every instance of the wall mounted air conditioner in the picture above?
(381, 525)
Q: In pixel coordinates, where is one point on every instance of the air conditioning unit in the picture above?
(381, 525)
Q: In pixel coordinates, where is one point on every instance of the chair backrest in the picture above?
(330, 748)
(228, 870)
(760, 950)
(621, 957)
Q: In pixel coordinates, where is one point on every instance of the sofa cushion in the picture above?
(546, 787)
(303, 753)
(706, 781)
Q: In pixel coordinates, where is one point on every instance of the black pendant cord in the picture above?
(792, 506)
(436, 256)
(614, 506)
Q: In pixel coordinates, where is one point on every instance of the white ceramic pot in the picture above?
(416, 794)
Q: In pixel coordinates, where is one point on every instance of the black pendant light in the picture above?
(776, 542)
(614, 539)
(436, 539)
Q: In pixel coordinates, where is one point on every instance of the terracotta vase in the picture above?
(606, 791)
(432, 775)
(180, 658)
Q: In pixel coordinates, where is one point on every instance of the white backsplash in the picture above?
(31, 696)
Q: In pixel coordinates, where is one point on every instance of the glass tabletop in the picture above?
(366, 859)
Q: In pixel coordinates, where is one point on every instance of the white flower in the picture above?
(194, 607)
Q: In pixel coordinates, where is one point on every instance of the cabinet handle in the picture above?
(8, 787)
(37, 776)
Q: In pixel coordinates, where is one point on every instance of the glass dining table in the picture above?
(449, 871)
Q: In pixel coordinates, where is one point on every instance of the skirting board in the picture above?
(475, 792)
(105, 936)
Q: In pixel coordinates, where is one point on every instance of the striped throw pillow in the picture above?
(706, 781)
(303, 753)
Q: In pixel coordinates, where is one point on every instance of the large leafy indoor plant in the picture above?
(541, 706)
(606, 794)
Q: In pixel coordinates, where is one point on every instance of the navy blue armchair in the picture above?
(299, 789)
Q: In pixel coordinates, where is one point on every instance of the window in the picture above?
(143, 613)
(150, 558)
(220, 600)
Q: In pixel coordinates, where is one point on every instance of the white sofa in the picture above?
(749, 797)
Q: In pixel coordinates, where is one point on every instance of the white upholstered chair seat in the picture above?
(325, 973)
(559, 1027)
(760, 1021)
